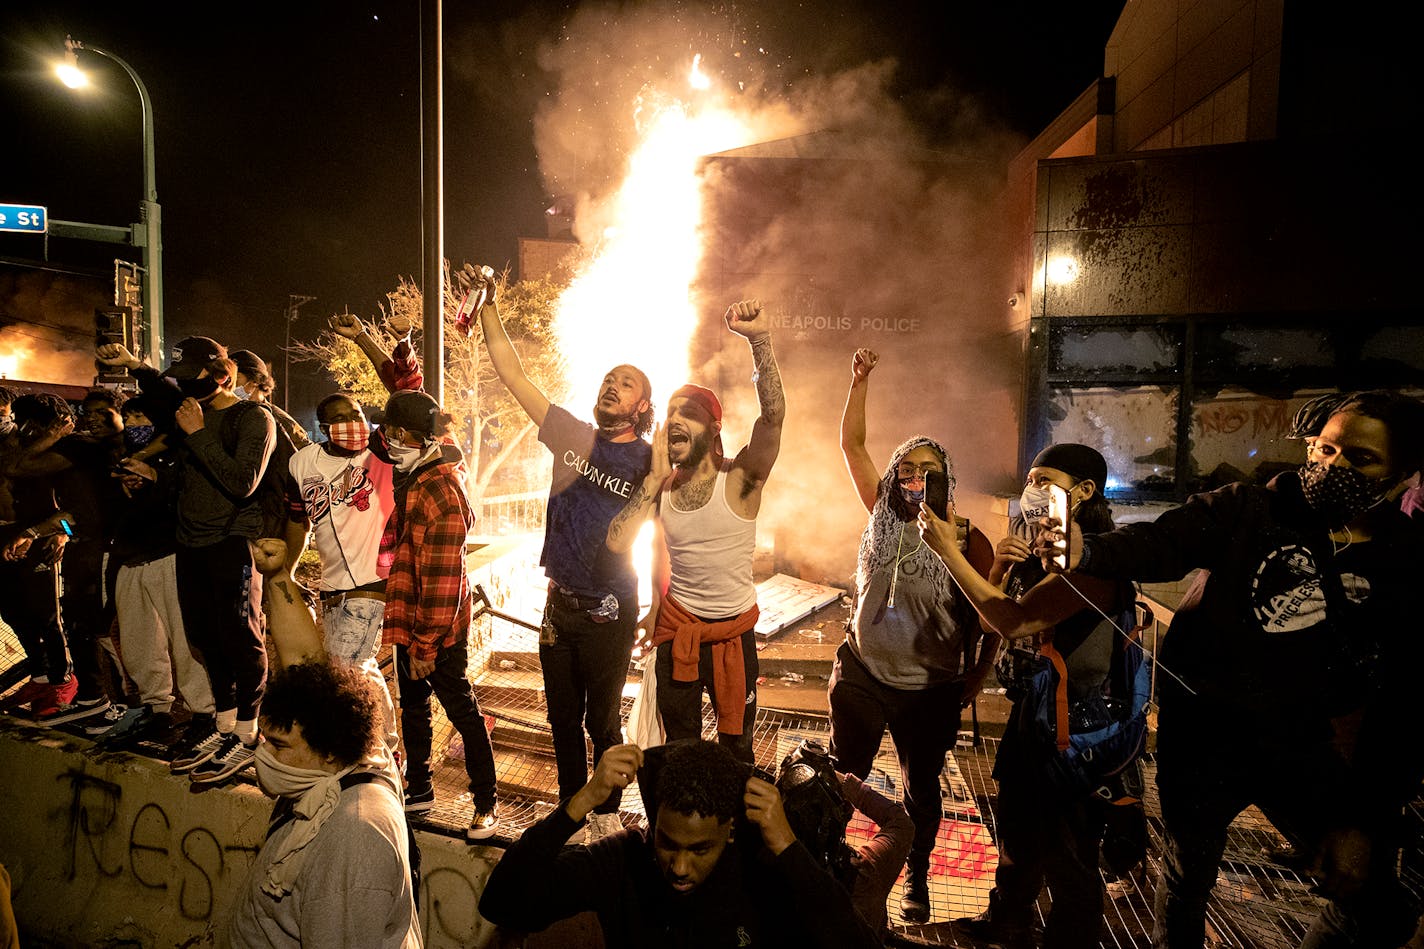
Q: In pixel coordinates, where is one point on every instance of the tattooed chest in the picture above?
(694, 494)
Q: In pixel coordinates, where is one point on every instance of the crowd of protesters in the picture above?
(148, 542)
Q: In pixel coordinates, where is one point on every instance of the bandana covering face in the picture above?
(138, 436)
(199, 389)
(406, 458)
(881, 541)
(1337, 494)
(316, 794)
(349, 436)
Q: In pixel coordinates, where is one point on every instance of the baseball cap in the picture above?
(193, 354)
(411, 410)
(702, 396)
(249, 363)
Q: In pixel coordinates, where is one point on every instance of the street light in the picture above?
(148, 234)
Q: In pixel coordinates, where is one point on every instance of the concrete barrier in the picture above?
(110, 850)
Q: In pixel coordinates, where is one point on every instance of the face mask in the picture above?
(281, 780)
(199, 389)
(405, 458)
(138, 436)
(1033, 503)
(912, 495)
(7, 425)
(240, 392)
(1338, 494)
(349, 436)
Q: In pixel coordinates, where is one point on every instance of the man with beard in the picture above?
(592, 610)
(219, 595)
(704, 612)
(718, 864)
(1299, 619)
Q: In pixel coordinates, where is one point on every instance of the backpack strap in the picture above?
(1060, 693)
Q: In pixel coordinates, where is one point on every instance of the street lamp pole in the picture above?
(148, 234)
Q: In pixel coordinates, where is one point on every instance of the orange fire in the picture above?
(632, 303)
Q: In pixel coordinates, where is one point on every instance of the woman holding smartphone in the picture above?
(1044, 836)
(912, 658)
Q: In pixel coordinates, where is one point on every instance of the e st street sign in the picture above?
(26, 218)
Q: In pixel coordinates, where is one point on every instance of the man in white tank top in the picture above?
(704, 612)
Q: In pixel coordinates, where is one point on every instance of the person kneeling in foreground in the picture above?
(335, 869)
(700, 875)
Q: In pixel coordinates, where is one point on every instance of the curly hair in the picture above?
(7, 395)
(40, 408)
(113, 398)
(703, 778)
(334, 705)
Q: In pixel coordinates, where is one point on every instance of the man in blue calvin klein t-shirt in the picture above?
(592, 611)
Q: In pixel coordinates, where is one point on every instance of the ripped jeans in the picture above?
(351, 632)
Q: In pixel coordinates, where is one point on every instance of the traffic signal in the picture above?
(113, 324)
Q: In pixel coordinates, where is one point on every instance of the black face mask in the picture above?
(200, 388)
(1339, 495)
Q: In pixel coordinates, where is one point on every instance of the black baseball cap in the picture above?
(249, 363)
(411, 410)
(193, 354)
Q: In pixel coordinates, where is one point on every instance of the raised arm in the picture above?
(749, 320)
(862, 469)
(506, 361)
(397, 370)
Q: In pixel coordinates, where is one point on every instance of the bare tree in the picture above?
(491, 429)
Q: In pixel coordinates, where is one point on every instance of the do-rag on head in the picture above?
(702, 396)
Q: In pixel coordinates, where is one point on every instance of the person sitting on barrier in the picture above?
(718, 864)
(1300, 615)
(335, 869)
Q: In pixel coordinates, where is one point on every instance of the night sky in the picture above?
(288, 135)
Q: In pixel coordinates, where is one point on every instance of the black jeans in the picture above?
(680, 703)
(29, 604)
(220, 596)
(84, 614)
(584, 674)
(924, 724)
(449, 683)
(1045, 837)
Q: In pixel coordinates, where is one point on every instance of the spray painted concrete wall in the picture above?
(109, 850)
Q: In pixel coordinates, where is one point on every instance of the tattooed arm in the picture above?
(624, 527)
(754, 463)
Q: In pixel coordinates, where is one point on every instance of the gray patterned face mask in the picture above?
(1339, 494)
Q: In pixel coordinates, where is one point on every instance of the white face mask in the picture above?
(405, 458)
(1033, 503)
(281, 780)
(240, 392)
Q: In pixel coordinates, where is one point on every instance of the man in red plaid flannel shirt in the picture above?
(428, 602)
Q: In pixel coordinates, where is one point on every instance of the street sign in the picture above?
(23, 217)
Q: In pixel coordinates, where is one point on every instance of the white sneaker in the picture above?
(600, 826)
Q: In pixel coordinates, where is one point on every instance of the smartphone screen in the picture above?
(64, 526)
(937, 493)
(1058, 510)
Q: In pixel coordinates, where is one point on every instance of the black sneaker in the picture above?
(915, 901)
(73, 711)
(991, 932)
(200, 742)
(419, 802)
(231, 757)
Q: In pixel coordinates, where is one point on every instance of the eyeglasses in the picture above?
(907, 469)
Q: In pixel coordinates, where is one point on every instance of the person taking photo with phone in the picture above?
(1043, 835)
(912, 658)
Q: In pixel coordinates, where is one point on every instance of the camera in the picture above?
(815, 806)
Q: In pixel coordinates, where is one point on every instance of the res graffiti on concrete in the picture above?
(146, 848)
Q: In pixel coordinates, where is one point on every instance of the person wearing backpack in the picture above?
(219, 592)
(1049, 829)
(339, 866)
(1302, 617)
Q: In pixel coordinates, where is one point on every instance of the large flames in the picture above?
(633, 302)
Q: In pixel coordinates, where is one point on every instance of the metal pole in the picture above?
(432, 196)
(149, 236)
(294, 303)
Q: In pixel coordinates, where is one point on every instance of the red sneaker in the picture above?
(55, 696)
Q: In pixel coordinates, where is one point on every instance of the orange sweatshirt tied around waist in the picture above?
(688, 634)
